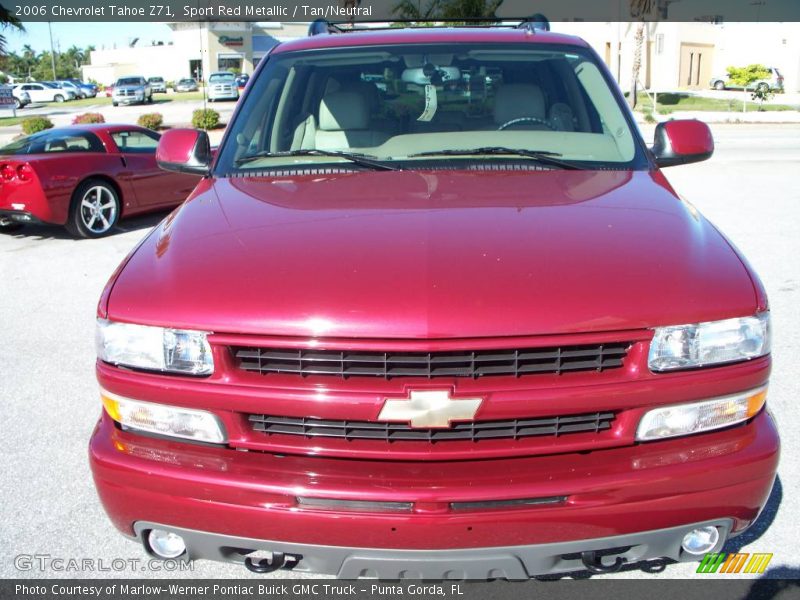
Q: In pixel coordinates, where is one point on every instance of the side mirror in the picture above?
(184, 151)
(681, 142)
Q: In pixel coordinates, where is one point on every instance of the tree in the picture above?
(412, 10)
(640, 9)
(7, 20)
(447, 10)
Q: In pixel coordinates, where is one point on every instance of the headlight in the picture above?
(684, 419)
(174, 421)
(711, 343)
(154, 348)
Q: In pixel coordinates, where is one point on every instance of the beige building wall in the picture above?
(662, 49)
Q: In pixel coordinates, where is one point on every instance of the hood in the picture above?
(442, 254)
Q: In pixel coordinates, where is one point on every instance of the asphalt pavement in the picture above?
(50, 283)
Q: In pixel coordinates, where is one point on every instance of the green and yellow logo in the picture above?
(737, 562)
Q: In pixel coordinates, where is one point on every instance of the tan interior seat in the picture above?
(518, 101)
(344, 122)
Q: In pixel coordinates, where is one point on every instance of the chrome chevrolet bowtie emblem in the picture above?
(430, 408)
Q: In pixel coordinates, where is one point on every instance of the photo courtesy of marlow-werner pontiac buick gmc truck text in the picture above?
(434, 311)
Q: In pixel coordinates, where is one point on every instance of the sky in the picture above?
(85, 34)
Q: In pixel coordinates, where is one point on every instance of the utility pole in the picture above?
(52, 50)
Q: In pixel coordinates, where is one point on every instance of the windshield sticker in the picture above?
(431, 104)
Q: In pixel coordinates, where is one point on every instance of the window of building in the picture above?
(232, 64)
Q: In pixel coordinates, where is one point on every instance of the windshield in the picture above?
(130, 81)
(221, 77)
(414, 105)
(156, 79)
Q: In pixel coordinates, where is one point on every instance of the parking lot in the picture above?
(49, 401)
(175, 108)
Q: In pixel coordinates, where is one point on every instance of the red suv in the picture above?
(434, 311)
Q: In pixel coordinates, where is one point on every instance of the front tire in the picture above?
(719, 85)
(762, 87)
(59, 98)
(94, 210)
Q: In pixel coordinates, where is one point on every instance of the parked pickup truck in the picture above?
(396, 333)
(131, 90)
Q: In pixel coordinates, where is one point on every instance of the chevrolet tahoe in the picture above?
(434, 311)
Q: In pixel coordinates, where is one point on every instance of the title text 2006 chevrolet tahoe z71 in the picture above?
(434, 311)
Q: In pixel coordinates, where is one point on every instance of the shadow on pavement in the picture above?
(56, 232)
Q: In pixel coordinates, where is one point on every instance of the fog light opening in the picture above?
(701, 540)
(165, 544)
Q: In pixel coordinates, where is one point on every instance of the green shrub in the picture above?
(744, 76)
(205, 118)
(36, 124)
(151, 121)
(85, 118)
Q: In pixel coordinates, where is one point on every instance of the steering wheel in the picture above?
(544, 122)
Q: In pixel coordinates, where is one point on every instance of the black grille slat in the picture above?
(471, 431)
(479, 363)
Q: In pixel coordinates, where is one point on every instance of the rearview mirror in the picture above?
(184, 151)
(680, 142)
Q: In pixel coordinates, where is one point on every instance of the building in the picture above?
(685, 56)
(196, 49)
(675, 55)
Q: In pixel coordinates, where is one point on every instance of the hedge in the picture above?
(36, 124)
(205, 118)
(86, 118)
(151, 120)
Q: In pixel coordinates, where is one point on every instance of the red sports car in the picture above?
(85, 177)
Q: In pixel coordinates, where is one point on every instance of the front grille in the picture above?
(481, 363)
(394, 432)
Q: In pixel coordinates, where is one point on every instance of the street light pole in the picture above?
(52, 50)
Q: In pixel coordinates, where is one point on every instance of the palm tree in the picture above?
(29, 59)
(7, 20)
(455, 10)
(412, 10)
(447, 10)
(640, 9)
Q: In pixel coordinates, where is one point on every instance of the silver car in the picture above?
(158, 85)
(186, 85)
(773, 82)
(222, 86)
(131, 90)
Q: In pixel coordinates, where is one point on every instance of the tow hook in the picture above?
(594, 563)
(279, 560)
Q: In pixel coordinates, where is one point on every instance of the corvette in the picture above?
(85, 178)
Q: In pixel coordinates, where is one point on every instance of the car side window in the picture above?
(135, 142)
(67, 142)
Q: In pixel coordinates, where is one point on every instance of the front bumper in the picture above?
(644, 496)
(129, 99)
(506, 562)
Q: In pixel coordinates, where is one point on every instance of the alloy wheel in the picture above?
(98, 209)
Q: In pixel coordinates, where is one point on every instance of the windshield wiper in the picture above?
(543, 156)
(362, 160)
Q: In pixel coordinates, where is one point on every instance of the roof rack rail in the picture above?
(534, 22)
(321, 26)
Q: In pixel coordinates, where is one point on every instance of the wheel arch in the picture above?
(101, 177)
